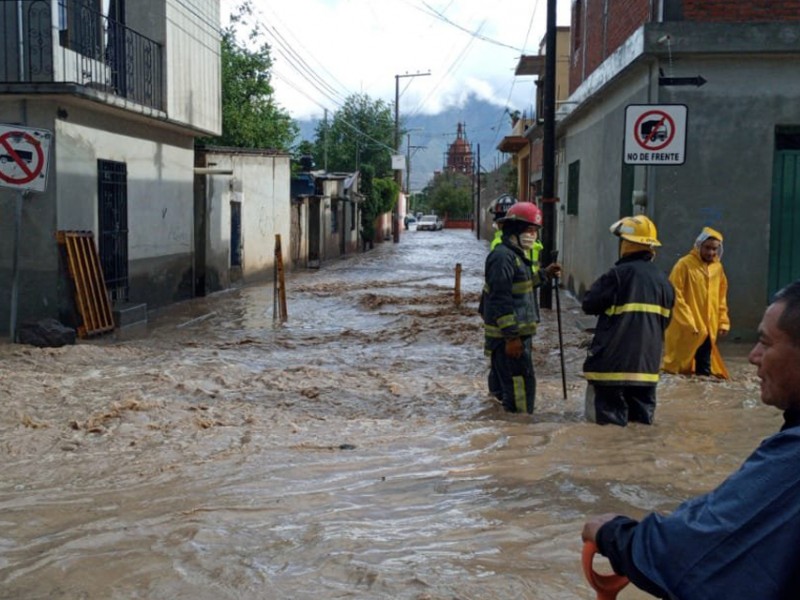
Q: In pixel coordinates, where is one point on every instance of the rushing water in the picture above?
(351, 452)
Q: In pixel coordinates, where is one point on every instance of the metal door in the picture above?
(236, 234)
(314, 232)
(784, 239)
(112, 194)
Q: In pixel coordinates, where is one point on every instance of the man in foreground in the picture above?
(742, 540)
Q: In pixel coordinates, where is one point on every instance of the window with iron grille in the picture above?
(81, 27)
(236, 234)
(573, 187)
(112, 196)
(334, 216)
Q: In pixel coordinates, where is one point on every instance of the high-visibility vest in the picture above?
(534, 252)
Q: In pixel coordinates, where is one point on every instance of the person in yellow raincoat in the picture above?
(700, 315)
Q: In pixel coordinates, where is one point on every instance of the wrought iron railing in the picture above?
(80, 46)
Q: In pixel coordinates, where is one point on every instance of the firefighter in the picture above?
(498, 209)
(509, 308)
(633, 301)
(701, 310)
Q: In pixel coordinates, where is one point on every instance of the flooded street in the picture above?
(352, 452)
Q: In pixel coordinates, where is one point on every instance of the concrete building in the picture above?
(124, 88)
(734, 67)
(242, 202)
(525, 142)
(326, 219)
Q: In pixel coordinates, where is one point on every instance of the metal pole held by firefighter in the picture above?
(560, 336)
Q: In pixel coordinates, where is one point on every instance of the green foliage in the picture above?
(250, 116)
(360, 133)
(450, 194)
(380, 196)
(385, 191)
(511, 179)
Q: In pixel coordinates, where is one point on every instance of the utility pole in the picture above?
(325, 144)
(398, 174)
(478, 198)
(548, 149)
(409, 148)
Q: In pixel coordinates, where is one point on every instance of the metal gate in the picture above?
(236, 234)
(112, 194)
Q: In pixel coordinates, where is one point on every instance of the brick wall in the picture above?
(738, 11)
(600, 33)
(597, 35)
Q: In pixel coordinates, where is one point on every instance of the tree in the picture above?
(450, 194)
(250, 116)
(360, 137)
(380, 195)
(360, 133)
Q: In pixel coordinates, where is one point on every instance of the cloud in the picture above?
(325, 50)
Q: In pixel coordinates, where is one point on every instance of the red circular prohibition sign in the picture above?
(654, 135)
(29, 174)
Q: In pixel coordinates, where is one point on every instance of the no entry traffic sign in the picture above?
(655, 134)
(23, 157)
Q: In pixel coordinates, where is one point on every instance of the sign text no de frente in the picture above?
(655, 134)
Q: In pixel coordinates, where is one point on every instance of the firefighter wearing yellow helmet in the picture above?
(633, 302)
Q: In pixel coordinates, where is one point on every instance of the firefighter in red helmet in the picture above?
(509, 309)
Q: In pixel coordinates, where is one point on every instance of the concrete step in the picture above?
(129, 314)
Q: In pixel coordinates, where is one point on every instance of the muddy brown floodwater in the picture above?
(351, 453)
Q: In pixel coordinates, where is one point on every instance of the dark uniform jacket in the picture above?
(509, 306)
(634, 302)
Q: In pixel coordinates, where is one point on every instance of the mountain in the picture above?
(484, 126)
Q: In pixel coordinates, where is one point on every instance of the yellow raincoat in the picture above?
(701, 310)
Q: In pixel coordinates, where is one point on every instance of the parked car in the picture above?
(430, 223)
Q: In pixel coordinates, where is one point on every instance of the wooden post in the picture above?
(279, 287)
(458, 285)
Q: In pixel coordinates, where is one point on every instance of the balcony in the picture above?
(92, 54)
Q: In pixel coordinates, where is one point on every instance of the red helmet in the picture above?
(523, 212)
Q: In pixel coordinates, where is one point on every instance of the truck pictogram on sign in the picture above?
(23, 157)
(655, 134)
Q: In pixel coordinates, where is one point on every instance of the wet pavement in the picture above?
(352, 452)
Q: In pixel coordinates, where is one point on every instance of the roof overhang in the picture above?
(512, 143)
(530, 64)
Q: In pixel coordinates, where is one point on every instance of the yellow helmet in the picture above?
(638, 229)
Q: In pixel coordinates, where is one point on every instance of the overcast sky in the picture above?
(325, 50)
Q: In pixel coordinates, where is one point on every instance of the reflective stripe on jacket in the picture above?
(634, 302)
(509, 304)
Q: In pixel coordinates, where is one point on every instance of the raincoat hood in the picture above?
(708, 232)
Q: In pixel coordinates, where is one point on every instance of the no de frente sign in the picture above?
(24, 154)
(655, 134)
